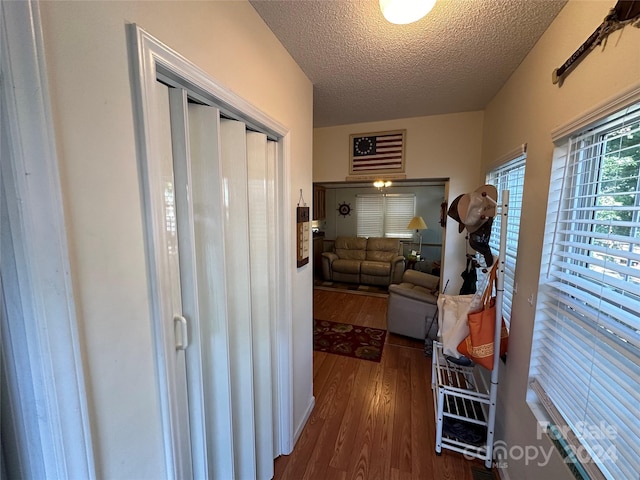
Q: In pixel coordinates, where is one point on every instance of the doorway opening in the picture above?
(332, 220)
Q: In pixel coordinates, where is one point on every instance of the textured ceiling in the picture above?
(365, 69)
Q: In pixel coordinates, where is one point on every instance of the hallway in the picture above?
(371, 420)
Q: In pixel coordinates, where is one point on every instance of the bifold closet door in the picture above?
(244, 165)
(169, 332)
(218, 192)
(261, 164)
(215, 410)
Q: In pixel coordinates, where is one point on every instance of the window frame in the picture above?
(586, 330)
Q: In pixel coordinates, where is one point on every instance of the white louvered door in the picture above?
(218, 233)
(245, 166)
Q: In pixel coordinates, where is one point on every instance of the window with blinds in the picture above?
(369, 215)
(585, 361)
(508, 176)
(385, 215)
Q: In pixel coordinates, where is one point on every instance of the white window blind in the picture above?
(586, 348)
(509, 176)
(385, 215)
(369, 214)
(398, 212)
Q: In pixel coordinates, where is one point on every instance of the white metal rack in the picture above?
(456, 394)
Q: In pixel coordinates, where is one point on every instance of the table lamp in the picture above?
(417, 224)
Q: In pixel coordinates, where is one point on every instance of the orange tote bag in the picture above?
(478, 345)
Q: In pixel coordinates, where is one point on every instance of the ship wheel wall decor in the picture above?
(344, 209)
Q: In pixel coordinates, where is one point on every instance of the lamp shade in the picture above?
(402, 12)
(417, 223)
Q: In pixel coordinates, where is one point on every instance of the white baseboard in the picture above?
(302, 424)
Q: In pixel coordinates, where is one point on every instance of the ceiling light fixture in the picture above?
(380, 184)
(402, 12)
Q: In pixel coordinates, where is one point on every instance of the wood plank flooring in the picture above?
(371, 421)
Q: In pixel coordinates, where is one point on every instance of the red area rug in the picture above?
(349, 340)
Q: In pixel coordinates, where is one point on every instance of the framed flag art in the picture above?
(379, 152)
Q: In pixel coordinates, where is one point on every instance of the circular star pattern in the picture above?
(363, 146)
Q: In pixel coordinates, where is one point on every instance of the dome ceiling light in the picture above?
(402, 12)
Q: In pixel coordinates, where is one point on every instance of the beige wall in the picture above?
(527, 109)
(88, 71)
(442, 146)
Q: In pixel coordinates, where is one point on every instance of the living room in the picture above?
(449, 140)
(417, 198)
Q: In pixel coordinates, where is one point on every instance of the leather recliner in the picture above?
(413, 305)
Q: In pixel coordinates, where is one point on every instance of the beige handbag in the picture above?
(453, 327)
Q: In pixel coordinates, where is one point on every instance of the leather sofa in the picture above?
(413, 305)
(372, 261)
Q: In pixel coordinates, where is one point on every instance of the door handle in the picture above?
(184, 333)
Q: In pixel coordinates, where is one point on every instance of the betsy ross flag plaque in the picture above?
(381, 152)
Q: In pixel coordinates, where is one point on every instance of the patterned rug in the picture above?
(349, 340)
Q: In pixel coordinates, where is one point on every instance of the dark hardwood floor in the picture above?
(371, 421)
